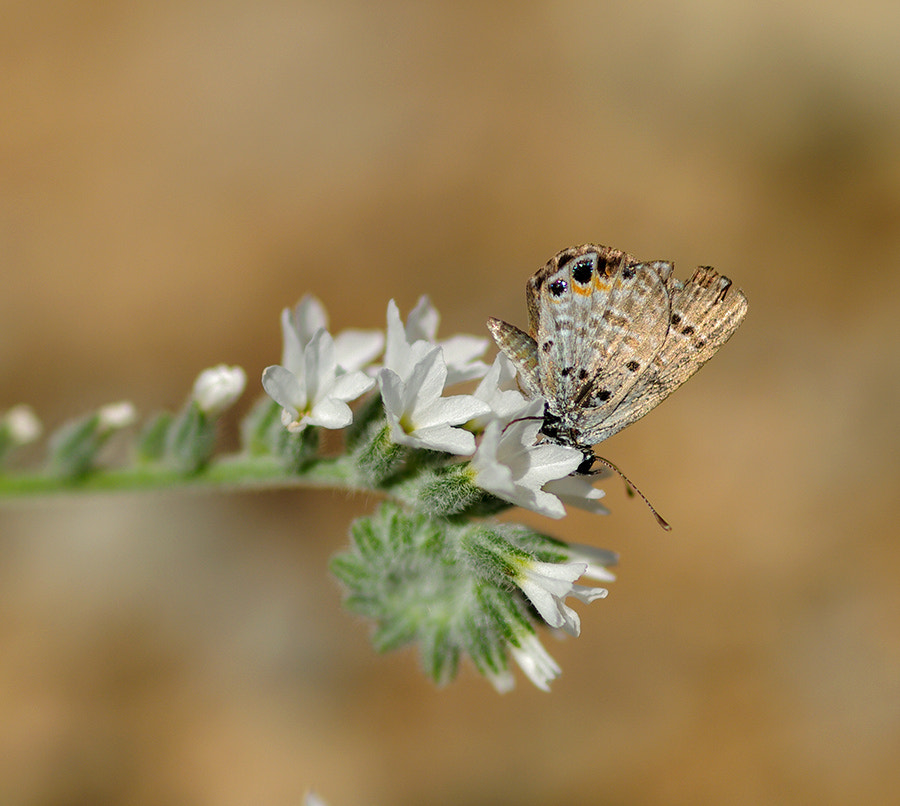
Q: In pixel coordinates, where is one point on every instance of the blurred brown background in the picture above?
(173, 174)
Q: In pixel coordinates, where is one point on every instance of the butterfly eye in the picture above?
(558, 287)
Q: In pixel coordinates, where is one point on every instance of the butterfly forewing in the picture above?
(521, 349)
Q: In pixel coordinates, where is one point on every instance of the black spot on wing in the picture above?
(582, 271)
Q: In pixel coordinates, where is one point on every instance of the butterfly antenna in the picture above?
(632, 489)
(521, 420)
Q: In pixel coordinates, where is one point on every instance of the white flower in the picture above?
(534, 660)
(578, 491)
(546, 585)
(115, 416)
(597, 560)
(500, 391)
(460, 352)
(312, 799)
(509, 464)
(353, 349)
(401, 356)
(416, 413)
(21, 425)
(314, 392)
(218, 387)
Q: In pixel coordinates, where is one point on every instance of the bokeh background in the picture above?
(173, 174)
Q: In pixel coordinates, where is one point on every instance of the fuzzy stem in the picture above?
(234, 472)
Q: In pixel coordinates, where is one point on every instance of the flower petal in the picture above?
(452, 410)
(351, 385)
(330, 413)
(535, 661)
(284, 388)
(291, 343)
(441, 438)
(355, 349)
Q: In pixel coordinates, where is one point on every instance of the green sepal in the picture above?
(151, 442)
(262, 432)
(379, 459)
(191, 439)
(74, 447)
(300, 449)
(439, 585)
(369, 411)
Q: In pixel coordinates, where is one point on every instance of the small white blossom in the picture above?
(21, 425)
(546, 585)
(461, 353)
(597, 560)
(314, 392)
(401, 356)
(218, 387)
(115, 416)
(417, 414)
(509, 464)
(500, 391)
(578, 491)
(535, 661)
(353, 349)
(312, 799)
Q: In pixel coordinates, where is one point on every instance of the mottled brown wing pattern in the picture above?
(608, 260)
(705, 312)
(599, 325)
(631, 329)
(611, 337)
(591, 310)
(521, 349)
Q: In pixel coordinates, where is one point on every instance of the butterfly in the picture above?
(611, 337)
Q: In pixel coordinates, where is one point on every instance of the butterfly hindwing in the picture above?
(705, 312)
(565, 299)
(631, 329)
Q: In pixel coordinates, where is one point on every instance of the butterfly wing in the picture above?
(521, 349)
(705, 312)
(599, 319)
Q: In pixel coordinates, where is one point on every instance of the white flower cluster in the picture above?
(492, 449)
(320, 374)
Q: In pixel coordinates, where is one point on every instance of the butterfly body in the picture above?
(610, 337)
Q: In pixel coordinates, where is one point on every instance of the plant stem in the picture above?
(234, 472)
